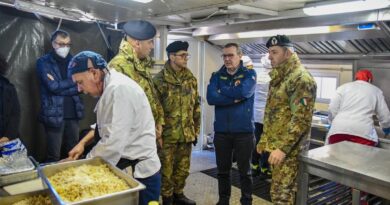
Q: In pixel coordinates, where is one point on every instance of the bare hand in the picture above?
(258, 149)
(160, 142)
(76, 152)
(276, 157)
(159, 130)
(4, 139)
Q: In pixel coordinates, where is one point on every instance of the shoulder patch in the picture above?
(303, 101)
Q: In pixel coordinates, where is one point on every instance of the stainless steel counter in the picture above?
(358, 166)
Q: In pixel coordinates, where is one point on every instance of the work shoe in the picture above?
(167, 200)
(181, 199)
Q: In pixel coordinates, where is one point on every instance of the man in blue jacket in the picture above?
(61, 107)
(231, 90)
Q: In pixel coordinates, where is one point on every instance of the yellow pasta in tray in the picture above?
(34, 200)
(85, 182)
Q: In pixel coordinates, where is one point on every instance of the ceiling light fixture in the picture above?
(143, 1)
(346, 7)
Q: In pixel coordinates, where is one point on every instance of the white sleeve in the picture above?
(382, 111)
(334, 104)
(115, 134)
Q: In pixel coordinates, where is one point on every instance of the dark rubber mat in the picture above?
(261, 187)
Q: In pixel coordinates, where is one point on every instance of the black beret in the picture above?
(79, 62)
(279, 40)
(177, 46)
(139, 29)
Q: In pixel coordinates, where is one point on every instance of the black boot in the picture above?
(167, 200)
(181, 199)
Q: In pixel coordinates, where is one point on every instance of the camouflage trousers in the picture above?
(284, 186)
(175, 160)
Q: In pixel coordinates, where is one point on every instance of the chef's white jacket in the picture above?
(261, 93)
(126, 125)
(352, 109)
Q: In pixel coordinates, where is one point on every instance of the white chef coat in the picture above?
(352, 108)
(126, 125)
(261, 93)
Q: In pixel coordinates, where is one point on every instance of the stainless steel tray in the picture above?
(27, 166)
(8, 200)
(128, 197)
(18, 177)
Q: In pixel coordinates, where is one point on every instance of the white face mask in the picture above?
(62, 51)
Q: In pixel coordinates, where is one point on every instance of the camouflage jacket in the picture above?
(180, 99)
(289, 108)
(139, 70)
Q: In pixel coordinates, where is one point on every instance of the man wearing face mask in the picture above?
(133, 60)
(61, 107)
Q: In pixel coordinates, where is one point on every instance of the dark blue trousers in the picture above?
(152, 191)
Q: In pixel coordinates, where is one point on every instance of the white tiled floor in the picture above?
(203, 188)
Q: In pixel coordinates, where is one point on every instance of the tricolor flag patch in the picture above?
(303, 101)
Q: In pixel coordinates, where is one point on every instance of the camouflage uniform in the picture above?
(287, 122)
(127, 63)
(179, 97)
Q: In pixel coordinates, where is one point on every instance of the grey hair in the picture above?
(239, 51)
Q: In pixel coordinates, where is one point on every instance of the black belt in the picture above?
(123, 163)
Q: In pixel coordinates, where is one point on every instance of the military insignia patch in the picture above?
(274, 41)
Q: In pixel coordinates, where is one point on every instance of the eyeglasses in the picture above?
(63, 44)
(183, 55)
(230, 55)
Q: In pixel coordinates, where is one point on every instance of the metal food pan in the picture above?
(18, 177)
(8, 200)
(129, 197)
(30, 165)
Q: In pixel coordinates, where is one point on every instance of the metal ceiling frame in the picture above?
(339, 19)
(345, 35)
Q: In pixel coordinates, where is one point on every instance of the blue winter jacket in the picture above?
(233, 97)
(53, 92)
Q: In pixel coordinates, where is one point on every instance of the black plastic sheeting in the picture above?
(24, 37)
